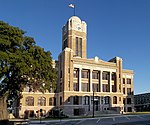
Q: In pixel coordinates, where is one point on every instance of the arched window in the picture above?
(86, 100)
(114, 100)
(41, 101)
(76, 100)
(52, 101)
(29, 101)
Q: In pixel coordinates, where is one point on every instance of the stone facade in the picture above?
(79, 77)
(83, 81)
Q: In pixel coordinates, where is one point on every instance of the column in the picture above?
(101, 87)
(110, 83)
(80, 70)
(91, 89)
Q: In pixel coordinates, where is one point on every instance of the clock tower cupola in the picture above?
(74, 36)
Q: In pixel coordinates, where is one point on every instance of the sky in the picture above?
(115, 28)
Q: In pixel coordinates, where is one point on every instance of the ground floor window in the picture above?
(129, 109)
(76, 112)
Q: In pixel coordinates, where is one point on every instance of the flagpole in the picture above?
(73, 7)
(74, 10)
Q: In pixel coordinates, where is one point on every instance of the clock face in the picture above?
(78, 27)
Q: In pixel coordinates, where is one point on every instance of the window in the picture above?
(124, 101)
(128, 81)
(60, 87)
(86, 100)
(124, 91)
(106, 100)
(113, 76)
(114, 100)
(128, 100)
(41, 101)
(105, 76)
(76, 100)
(129, 109)
(78, 46)
(95, 75)
(60, 100)
(105, 88)
(75, 86)
(113, 88)
(129, 91)
(85, 74)
(95, 87)
(120, 99)
(75, 73)
(85, 87)
(52, 101)
(123, 80)
(61, 74)
(29, 101)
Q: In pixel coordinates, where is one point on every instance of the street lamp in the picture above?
(93, 104)
(94, 100)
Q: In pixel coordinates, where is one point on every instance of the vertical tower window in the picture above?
(78, 46)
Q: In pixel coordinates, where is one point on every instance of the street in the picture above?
(113, 120)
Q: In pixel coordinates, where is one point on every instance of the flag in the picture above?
(71, 5)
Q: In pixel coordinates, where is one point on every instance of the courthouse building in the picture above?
(83, 81)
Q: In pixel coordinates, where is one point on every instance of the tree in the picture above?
(23, 63)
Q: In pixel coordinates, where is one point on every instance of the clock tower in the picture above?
(74, 36)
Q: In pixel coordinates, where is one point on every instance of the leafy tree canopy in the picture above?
(23, 63)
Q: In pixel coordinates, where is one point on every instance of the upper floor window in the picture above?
(105, 76)
(123, 80)
(75, 86)
(95, 87)
(95, 75)
(128, 100)
(105, 88)
(129, 91)
(75, 73)
(85, 87)
(85, 74)
(128, 81)
(124, 91)
(42, 101)
(113, 76)
(29, 101)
